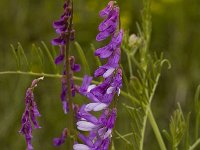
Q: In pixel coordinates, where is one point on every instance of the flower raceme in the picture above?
(64, 29)
(63, 96)
(102, 95)
(30, 114)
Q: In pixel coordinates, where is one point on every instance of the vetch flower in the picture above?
(59, 59)
(105, 12)
(62, 28)
(82, 114)
(116, 84)
(63, 95)
(107, 50)
(60, 140)
(109, 68)
(74, 67)
(110, 24)
(85, 85)
(91, 143)
(30, 114)
(100, 131)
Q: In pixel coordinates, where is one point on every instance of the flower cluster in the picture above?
(30, 114)
(63, 96)
(64, 28)
(102, 95)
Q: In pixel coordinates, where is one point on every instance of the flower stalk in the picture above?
(68, 78)
(64, 27)
(29, 117)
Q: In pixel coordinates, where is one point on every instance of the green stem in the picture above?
(124, 94)
(69, 75)
(147, 110)
(124, 136)
(130, 65)
(31, 74)
(195, 144)
(156, 130)
(197, 126)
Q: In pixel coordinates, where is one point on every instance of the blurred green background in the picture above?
(176, 32)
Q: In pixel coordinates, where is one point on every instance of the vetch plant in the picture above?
(30, 114)
(64, 27)
(104, 94)
(92, 121)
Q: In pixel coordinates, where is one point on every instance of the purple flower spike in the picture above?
(102, 95)
(61, 140)
(64, 28)
(30, 114)
(109, 25)
(61, 27)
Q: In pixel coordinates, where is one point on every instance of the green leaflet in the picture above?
(177, 128)
(51, 58)
(125, 80)
(96, 58)
(38, 57)
(21, 51)
(16, 56)
(197, 112)
(83, 58)
(122, 137)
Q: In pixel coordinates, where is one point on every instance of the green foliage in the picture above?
(37, 58)
(197, 112)
(142, 86)
(82, 56)
(177, 128)
(174, 31)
